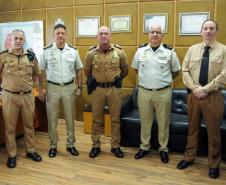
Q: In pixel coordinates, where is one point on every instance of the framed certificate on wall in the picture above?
(120, 23)
(156, 18)
(191, 23)
(87, 26)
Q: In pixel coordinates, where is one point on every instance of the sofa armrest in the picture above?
(126, 105)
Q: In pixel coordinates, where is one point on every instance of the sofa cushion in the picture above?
(131, 120)
(179, 101)
(178, 124)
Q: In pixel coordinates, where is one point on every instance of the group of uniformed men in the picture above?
(156, 64)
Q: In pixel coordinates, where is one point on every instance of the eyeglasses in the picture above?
(155, 32)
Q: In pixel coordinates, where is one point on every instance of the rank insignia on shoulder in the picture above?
(143, 45)
(48, 46)
(91, 48)
(167, 46)
(117, 46)
(72, 47)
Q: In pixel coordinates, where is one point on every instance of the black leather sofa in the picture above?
(130, 125)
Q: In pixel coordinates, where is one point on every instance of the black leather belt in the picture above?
(18, 92)
(60, 84)
(156, 89)
(105, 84)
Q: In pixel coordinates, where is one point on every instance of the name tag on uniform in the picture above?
(144, 57)
(52, 59)
(162, 59)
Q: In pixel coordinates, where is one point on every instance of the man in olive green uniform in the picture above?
(107, 64)
(204, 74)
(17, 68)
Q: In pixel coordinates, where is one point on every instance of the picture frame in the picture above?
(158, 18)
(191, 23)
(33, 32)
(120, 23)
(87, 26)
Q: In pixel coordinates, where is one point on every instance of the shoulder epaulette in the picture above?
(143, 45)
(117, 46)
(91, 48)
(72, 46)
(5, 51)
(167, 46)
(48, 46)
(30, 54)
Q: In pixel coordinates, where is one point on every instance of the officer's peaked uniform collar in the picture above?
(66, 47)
(161, 48)
(10, 50)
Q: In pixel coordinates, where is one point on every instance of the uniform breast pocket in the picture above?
(163, 64)
(52, 64)
(215, 66)
(96, 66)
(115, 64)
(29, 68)
(194, 63)
(143, 64)
(71, 62)
(10, 67)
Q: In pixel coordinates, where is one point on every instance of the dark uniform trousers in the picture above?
(211, 110)
(111, 95)
(12, 106)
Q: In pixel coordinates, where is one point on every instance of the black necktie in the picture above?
(203, 76)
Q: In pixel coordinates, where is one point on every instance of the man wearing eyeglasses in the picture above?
(156, 65)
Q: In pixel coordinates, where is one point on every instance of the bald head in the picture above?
(155, 26)
(103, 28)
(104, 36)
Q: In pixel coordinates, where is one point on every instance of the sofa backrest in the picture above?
(179, 101)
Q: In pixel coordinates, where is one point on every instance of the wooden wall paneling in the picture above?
(59, 3)
(9, 5)
(123, 38)
(120, 1)
(10, 16)
(38, 4)
(220, 18)
(88, 2)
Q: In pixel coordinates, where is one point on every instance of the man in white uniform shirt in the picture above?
(156, 65)
(62, 64)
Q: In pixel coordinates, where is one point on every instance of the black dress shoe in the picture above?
(72, 151)
(11, 163)
(214, 173)
(95, 151)
(34, 156)
(141, 153)
(118, 152)
(164, 156)
(184, 164)
(52, 152)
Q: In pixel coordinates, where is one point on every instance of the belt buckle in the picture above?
(61, 84)
(105, 85)
(21, 92)
(154, 89)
